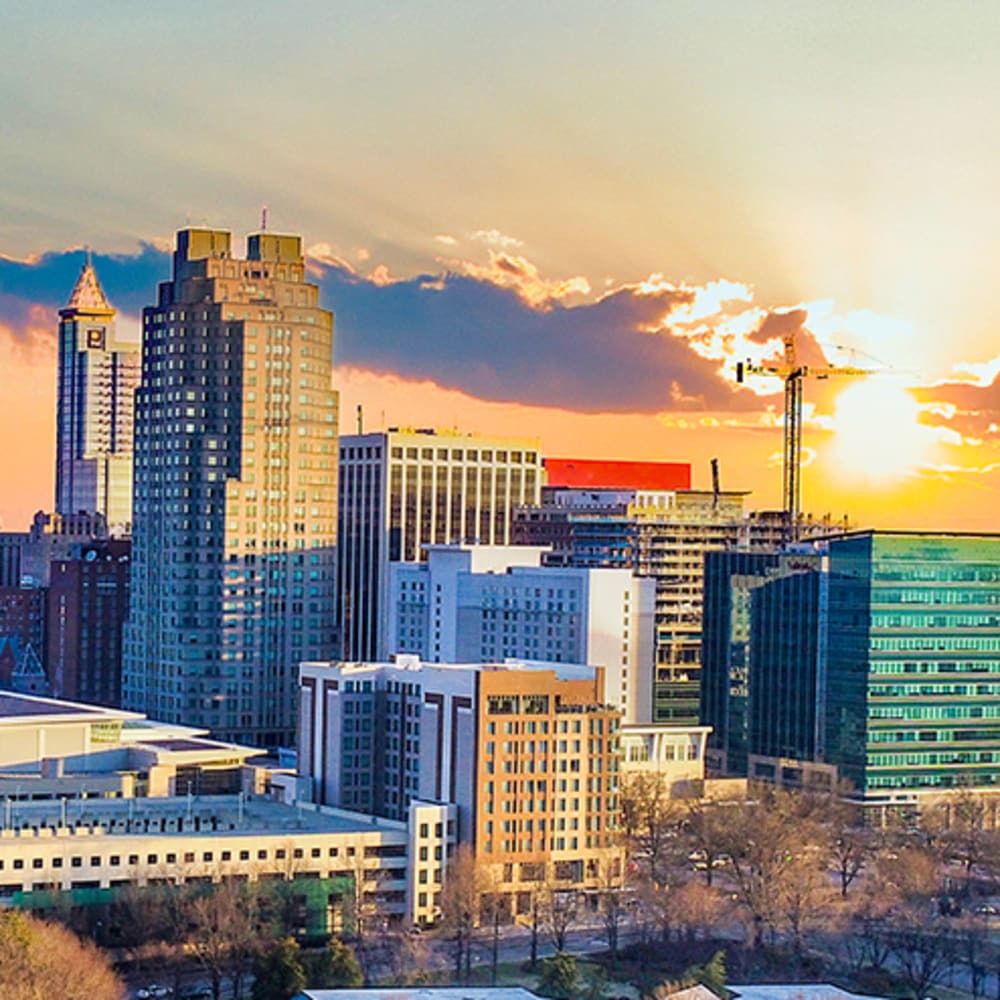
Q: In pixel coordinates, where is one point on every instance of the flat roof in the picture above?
(26, 706)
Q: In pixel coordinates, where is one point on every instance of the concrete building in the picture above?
(402, 490)
(11, 543)
(55, 536)
(235, 490)
(493, 603)
(98, 375)
(93, 800)
(873, 660)
(527, 754)
(674, 754)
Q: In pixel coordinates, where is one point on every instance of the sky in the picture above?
(568, 220)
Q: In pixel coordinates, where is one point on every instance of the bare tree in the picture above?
(650, 821)
(560, 908)
(467, 881)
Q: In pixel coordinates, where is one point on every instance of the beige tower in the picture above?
(236, 490)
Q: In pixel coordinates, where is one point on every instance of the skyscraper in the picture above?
(404, 489)
(98, 373)
(236, 490)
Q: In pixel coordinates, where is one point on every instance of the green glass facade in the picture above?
(913, 661)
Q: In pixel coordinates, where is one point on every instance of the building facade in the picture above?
(659, 534)
(527, 754)
(98, 375)
(872, 660)
(86, 607)
(401, 490)
(235, 490)
(493, 603)
(760, 612)
(913, 676)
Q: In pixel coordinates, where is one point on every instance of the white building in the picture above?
(493, 603)
(94, 798)
(402, 490)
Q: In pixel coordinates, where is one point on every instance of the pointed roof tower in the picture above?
(88, 296)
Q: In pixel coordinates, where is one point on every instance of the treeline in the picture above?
(879, 890)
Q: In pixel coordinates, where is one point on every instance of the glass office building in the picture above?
(913, 665)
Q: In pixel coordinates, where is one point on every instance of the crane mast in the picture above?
(792, 373)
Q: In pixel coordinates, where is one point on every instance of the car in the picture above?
(197, 993)
(986, 910)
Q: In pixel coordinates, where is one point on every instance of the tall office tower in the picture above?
(236, 490)
(98, 374)
(497, 602)
(657, 533)
(403, 489)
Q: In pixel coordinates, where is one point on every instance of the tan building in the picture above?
(527, 753)
(235, 514)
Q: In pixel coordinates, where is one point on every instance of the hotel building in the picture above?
(527, 753)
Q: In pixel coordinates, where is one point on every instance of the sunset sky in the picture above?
(562, 219)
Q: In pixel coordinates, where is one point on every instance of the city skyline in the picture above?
(568, 226)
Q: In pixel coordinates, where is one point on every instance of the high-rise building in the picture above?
(873, 659)
(492, 603)
(235, 490)
(528, 754)
(401, 490)
(98, 374)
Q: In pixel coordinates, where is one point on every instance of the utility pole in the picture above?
(792, 373)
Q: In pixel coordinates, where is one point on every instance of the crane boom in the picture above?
(792, 373)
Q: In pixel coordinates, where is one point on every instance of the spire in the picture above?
(88, 296)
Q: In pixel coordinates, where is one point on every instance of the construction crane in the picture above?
(792, 373)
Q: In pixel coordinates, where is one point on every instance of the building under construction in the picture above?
(659, 533)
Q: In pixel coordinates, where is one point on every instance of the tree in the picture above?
(224, 935)
(650, 819)
(278, 972)
(337, 967)
(775, 851)
(466, 882)
(560, 976)
(706, 834)
(559, 913)
(38, 959)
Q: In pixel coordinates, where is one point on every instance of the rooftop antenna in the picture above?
(89, 260)
(263, 219)
(361, 419)
(715, 484)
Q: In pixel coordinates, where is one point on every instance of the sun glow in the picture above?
(877, 433)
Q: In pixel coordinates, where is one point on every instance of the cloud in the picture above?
(495, 239)
(500, 330)
(519, 274)
(448, 241)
